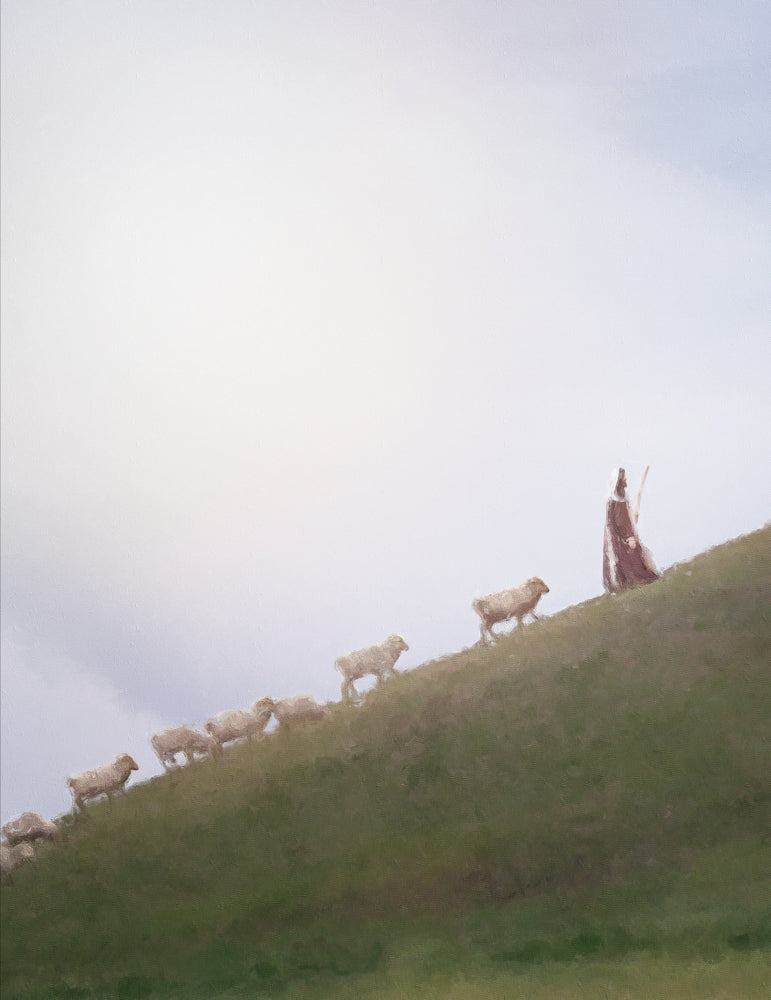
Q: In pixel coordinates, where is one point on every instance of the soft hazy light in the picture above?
(318, 322)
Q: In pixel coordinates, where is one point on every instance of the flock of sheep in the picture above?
(378, 660)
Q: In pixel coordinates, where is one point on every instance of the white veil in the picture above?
(613, 495)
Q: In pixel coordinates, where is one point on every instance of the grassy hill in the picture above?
(582, 810)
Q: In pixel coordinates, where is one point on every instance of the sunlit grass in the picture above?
(639, 978)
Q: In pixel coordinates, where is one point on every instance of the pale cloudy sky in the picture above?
(321, 318)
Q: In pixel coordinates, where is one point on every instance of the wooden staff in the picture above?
(639, 495)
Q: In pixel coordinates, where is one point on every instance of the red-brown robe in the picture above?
(622, 566)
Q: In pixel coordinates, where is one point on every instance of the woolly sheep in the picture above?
(298, 708)
(101, 780)
(233, 724)
(182, 739)
(514, 603)
(378, 660)
(30, 826)
(13, 856)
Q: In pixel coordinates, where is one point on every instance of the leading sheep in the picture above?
(378, 660)
(513, 603)
(101, 781)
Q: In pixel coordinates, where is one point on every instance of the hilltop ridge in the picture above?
(618, 743)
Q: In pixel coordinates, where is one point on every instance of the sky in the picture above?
(320, 319)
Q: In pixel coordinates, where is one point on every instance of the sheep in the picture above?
(102, 780)
(13, 856)
(514, 603)
(30, 826)
(182, 739)
(299, 708)
(233, 724)
(378, 660)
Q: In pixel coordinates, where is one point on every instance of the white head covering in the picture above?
(614, 495)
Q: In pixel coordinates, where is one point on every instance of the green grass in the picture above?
(581, 810)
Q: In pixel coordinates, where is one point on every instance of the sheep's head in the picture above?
(537, 586)
(129, 761)
(397, 642)
(263, 706)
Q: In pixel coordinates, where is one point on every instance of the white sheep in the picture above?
(378, 660)
(13, 856)
(234, 724)
(182, 739)
(514, 603)
(30, 826)
(299, 708)
(102, 780)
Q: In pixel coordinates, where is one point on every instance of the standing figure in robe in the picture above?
(626, 562)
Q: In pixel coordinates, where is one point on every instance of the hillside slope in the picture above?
(620, 742)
